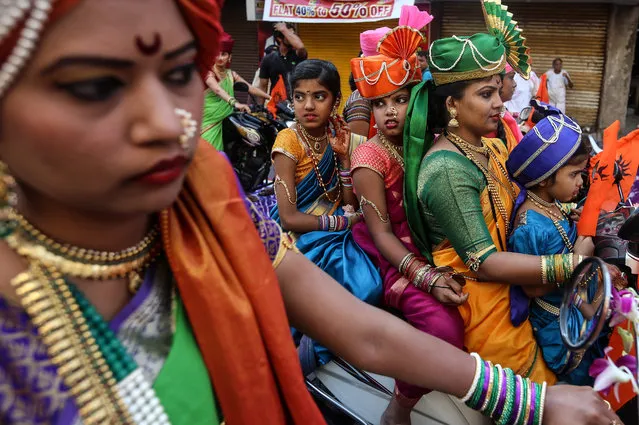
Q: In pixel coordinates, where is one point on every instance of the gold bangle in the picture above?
(404, 262)
(544, 271)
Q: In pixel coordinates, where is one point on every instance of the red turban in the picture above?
(226, 43)
(202, 16)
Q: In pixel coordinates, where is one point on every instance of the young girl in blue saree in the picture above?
(313, 184)
(548, 163)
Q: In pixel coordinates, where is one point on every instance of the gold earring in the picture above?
(453, 118)
(338, 100)
(189, 126)
(8, 196)
(393, 110)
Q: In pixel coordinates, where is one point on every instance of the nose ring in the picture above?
(393, 111)
(189, 127)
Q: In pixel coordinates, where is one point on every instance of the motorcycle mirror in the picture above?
(241, 87)
(525, 113)
(585, 307)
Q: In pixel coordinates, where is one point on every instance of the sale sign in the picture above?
(324, 11)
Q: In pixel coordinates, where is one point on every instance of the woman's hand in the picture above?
(567, 404)
(341, 141)
(447, 290)
(584, 246)
(243, 108)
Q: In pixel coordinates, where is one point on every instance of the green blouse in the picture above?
(449, 189)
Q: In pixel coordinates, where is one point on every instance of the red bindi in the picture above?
(149, 49)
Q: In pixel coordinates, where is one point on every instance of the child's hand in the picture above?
(575, 214)
(584, 246)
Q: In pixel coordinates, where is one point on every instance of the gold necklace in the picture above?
(131, 263)
(556, 219)
(483, 149)
(317, 141)
(391, 148)
(493, 191)
(318, 173)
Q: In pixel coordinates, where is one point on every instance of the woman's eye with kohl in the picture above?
(94, 90)
(182, 75)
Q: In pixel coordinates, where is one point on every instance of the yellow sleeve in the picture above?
(287, 144)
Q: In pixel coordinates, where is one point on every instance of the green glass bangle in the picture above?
(497, 388)
(511, 388)
(474, 401)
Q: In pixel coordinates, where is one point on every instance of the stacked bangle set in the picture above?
(506, 398)
(334, 223)
(557, 269)
(233, 101)
(345, 178)
(419, 272)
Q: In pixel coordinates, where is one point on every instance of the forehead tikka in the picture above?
(12, 12)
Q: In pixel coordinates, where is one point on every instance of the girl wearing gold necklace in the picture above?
(313, 184)
(425, 295)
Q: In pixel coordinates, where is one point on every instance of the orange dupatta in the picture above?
(232, 299)
(487, 326)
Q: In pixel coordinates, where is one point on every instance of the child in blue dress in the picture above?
(548, 164)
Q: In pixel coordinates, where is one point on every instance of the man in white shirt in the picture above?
(524, 92)
(558, 80)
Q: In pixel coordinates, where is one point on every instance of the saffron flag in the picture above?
(278, 94)
(602, 181)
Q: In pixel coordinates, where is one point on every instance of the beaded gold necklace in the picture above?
(73, 261)
(556, 219)
(318, 174)
(391, 148)
(491, 179)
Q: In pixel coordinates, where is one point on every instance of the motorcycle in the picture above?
(248, 140)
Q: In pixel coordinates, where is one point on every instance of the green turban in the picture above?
(456, 58)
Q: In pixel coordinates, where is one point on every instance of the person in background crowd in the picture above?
(423, 65)
(219, 101)
(557, 82)
(525, 91)
(291, 51)
(357, 110)
(507, 129)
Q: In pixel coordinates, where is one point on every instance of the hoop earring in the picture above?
(453, 118)
(189, 126)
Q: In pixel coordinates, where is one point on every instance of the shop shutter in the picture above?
(338, 43)
(575, 32)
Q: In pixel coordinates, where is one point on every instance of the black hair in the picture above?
(351, 82)
(422, 53)
(278, 34)
(318, 69)
(557, 59)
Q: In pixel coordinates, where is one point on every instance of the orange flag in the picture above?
(278, 94)
(602, 181)
(626, 165)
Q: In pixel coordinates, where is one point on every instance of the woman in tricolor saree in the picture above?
(313, 184)
(219, 98)
(188, 326)
(548, 164)
(411, 285)
(459, 198)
